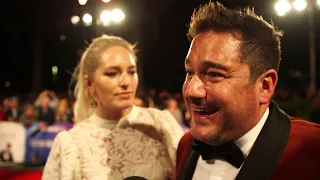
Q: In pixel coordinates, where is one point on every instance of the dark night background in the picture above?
(32, 30)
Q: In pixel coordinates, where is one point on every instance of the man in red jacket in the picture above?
(237, 132)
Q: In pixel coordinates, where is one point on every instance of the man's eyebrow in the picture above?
(209, 64)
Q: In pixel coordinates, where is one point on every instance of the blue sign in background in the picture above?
(38, 143)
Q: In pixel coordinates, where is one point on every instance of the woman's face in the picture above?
(115, 80)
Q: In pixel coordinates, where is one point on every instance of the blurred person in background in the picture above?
(152, 98)
(6, 154)
(53, 100)
(46, 114)
(112, 138)
(29, 116)
(139, 102)
(14, 111)
(173, 108)
(63, 113)
(163, 96)
(4, 108)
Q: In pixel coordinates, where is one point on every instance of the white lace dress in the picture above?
(142, 144)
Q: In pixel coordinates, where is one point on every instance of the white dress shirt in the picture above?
(219, 169)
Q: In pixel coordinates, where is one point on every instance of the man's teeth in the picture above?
(202, 111)
(199, 110)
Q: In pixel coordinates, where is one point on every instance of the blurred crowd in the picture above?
(48, 108)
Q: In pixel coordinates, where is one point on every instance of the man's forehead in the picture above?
(214, 44)
(214, 50)
(210, 38)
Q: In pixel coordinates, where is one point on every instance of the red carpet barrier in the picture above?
(6, 174)
(11, 171)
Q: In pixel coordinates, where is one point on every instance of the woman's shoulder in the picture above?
(63, 137)
(155, 117)
(153, 111)
(164, 115)
(149, 116)
(67, 135)
(62, 157)
(80, 126)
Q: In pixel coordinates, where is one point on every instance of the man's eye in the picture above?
(214, 74)
(188, 72)
(110, 74)
(132, 72)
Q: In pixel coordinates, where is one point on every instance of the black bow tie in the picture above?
(229, 152)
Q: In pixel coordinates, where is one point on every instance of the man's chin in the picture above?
(203, 133)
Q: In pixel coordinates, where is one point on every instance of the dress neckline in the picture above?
(112, 124)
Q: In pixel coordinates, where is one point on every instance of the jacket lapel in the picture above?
(268, 148)
(189, 166)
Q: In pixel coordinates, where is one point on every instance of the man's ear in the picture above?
(267, 84)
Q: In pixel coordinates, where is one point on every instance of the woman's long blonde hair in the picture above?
(88, 64)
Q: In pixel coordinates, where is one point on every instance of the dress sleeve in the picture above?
(61, 160)
(171, 131)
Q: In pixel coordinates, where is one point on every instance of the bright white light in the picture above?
(106, 1)
(82, 2)
(117, 15)
(318, 2)
(282, 7)
(75, 20)
(106, 17)
(87, 19)
(299, 5)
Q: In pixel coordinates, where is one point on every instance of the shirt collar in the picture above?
(246, 142)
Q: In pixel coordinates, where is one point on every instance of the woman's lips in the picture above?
(124, 95)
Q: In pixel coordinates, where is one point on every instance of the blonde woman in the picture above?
(112, 138)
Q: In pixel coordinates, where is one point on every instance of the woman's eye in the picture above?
(110, 74)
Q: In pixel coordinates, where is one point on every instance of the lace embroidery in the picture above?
(144, 146)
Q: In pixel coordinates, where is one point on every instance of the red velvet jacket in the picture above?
(286, 148)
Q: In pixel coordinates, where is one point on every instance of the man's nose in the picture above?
(195, 88)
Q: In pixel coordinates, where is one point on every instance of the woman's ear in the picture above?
(87, 81)
(88, 84)
(267, 85)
